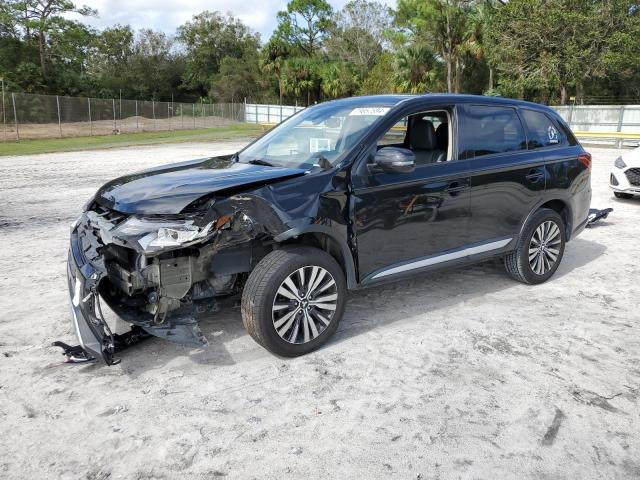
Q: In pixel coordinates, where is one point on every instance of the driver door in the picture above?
(406, 221)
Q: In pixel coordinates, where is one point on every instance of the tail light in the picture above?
(585, 159)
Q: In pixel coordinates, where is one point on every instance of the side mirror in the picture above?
(395, 160)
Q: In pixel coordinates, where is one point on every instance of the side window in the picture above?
(395, 135)
(488, 130)
(425, 133)
(542, 131)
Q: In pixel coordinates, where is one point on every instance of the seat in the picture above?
(442, 136)
(423, 143)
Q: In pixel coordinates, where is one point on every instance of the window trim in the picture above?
(515, 108)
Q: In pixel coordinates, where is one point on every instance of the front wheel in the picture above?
(540, 248)
(293, 300)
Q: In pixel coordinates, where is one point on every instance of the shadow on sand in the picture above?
(432, 291)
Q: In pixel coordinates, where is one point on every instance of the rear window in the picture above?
(488, 130)
(542, 131)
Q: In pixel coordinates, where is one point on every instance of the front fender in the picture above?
(349, 264)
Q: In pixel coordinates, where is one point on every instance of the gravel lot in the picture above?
(463, 374)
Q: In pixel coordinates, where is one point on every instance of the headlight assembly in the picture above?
(620, 163)
(154, 235)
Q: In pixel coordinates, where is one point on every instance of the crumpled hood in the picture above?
(169, 189)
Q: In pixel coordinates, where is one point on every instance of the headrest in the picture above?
(423, 135)
(442, 136)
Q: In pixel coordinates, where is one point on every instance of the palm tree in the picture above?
(300, 75)
(338, 80)
(274, 56)
(417, 70)
(478, 27)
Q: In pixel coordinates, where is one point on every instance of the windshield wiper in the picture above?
(258, 161)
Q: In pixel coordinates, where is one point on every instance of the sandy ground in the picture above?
(463, 374)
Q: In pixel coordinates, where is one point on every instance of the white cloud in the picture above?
(167, 15)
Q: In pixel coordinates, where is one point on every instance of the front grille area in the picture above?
(633, 175)
(108, 214)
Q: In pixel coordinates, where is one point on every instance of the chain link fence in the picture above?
(615, 125)
(26, 116)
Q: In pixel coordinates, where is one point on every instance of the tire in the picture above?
(264, 307)
(533, 267)
(624, 196)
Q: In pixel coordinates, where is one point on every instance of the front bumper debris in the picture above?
(595, 215)
(88, 278)
(83, 277)
(77, 354)
(93, 332)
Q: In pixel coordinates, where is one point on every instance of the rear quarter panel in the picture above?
(569, 180)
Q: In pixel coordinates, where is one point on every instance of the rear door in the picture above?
(507, 180)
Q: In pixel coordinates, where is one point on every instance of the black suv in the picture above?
(343, 195)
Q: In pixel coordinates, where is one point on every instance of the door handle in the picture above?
(456, 187)
(535, 174)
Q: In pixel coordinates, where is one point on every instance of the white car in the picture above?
(625, 175)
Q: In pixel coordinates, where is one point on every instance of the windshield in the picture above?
(317, 136)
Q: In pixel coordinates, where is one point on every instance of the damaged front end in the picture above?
(159, 273)
(165, 247)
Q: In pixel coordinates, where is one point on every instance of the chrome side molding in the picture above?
(445, 257)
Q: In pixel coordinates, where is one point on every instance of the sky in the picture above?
(167, 15)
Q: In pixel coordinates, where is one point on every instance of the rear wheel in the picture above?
(293, 300)
(625, 196)
(540, 248)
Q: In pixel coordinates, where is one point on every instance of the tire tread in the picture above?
(257, 283)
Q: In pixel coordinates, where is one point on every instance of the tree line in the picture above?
(550, 51)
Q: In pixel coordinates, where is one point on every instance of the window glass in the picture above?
(542, 132)
(425, 134)
(322, 132)
(397, 134)
(488, 130)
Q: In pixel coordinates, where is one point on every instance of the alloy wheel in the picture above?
(304, 304)
(544, 248)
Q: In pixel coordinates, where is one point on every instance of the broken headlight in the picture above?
(154, 235)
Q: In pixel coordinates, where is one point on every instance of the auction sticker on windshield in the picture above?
(319, 145)
(369, 111)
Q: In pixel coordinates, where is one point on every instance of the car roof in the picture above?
(454, 98)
